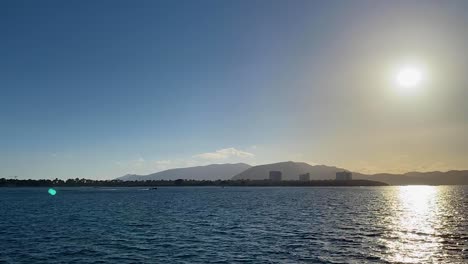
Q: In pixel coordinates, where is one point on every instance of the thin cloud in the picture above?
(223, 154)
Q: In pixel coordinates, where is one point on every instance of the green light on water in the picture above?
(52, 191)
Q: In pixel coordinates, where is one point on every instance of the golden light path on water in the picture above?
(415, 222)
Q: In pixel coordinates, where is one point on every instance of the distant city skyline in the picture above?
(100, 89)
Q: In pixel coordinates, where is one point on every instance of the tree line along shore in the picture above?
(180, 182)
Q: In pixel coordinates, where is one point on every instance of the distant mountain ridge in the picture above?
(209, 172)
(291, 171)
(453, 177)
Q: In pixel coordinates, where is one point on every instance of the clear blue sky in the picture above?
(98, 89)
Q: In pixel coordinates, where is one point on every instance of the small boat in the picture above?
(153, 188)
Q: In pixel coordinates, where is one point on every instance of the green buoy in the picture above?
(52, 191)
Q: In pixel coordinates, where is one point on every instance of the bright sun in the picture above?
(409, 79)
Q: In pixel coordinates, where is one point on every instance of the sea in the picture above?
(393, 224)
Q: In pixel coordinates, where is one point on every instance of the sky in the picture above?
(100, 89)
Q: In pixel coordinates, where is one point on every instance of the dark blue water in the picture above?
(235, 225)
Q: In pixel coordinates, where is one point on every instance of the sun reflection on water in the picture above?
(413, 237)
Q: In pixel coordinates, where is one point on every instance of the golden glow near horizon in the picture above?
(409, 79)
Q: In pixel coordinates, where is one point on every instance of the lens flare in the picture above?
(52, 191)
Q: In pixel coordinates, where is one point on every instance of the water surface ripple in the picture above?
(412, 224)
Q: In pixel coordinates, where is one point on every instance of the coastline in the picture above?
(180, 182)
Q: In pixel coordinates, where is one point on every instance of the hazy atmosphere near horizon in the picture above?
(100, 89)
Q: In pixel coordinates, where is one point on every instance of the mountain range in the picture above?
(209, 172)
(291, 171)
(453, 177)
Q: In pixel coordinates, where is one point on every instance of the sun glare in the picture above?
(409, 79)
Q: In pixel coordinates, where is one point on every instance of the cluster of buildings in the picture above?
(275, 176)
(340, 176)
(304, 177)
(344, 176)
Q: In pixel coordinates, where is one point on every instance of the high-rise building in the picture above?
(344, 176)
(304, 177)
(275, 175)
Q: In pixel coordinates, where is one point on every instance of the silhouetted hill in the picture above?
(290, 171)
(210, 172)
(424, 178)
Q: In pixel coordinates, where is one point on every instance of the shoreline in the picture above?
(178, 183)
